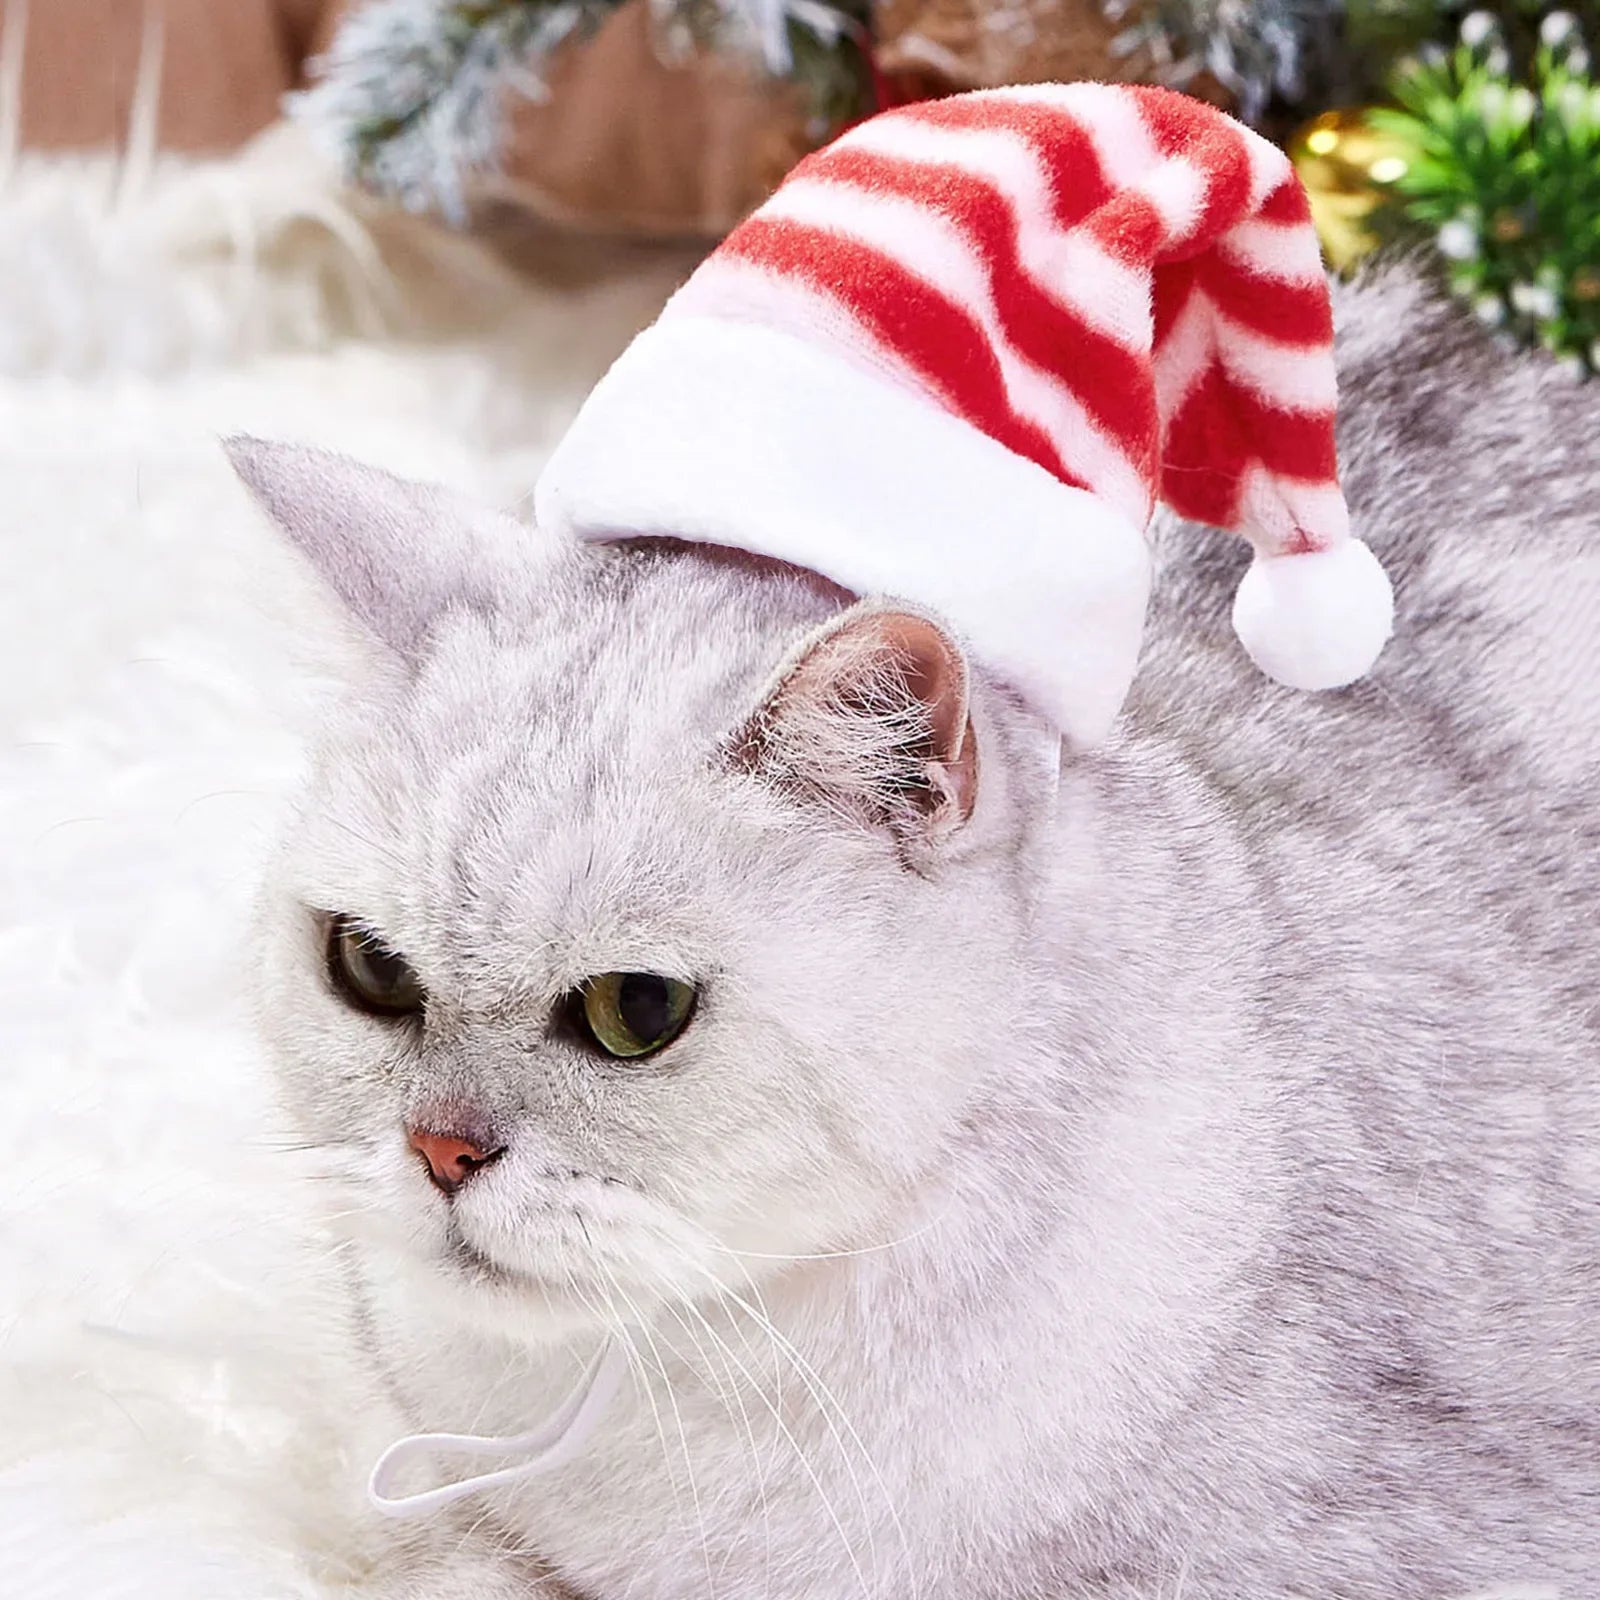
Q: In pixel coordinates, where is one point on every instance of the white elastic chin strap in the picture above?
(554, 1443)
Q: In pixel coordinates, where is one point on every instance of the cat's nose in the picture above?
(451, 1159)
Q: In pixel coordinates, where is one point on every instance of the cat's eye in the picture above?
(368, 974)
(632, 1014)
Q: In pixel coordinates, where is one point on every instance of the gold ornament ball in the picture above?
(1345, 164)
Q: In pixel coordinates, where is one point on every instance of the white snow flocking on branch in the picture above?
(411, 97)
(1253, 48)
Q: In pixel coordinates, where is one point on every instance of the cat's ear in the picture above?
(398, 554)
(873, 717)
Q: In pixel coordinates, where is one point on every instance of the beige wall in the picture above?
(226, 64)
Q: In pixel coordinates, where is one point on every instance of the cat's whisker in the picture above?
(781, 1429)
(293, 1144)
(608, 1317)
(831, 1255)
(324, 1216)
(472, 1530)
(829, 1407)
(716, 1385)
(393, 857)
(784, 1354)
(705, 1237)
(774, 1406)
(742, 1418)
(643, 1325)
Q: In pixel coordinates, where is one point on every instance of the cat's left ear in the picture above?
(873, 717)
(398, 554)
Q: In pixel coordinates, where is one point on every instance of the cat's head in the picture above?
(647, 922)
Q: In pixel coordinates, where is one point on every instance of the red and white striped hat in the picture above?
(960, 354)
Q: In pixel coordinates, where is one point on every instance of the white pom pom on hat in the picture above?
(1317, 619)
(960, 355)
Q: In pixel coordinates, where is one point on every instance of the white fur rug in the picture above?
(163, 1431)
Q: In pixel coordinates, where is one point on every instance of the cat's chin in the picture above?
(472, 1290)
(522, 1304)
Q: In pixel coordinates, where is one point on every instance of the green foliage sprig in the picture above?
(1504, 176)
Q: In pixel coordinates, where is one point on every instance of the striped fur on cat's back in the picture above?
(1430, 842)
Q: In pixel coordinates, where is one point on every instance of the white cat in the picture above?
(1173, 1175)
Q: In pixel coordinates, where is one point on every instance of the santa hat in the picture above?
(960, 354)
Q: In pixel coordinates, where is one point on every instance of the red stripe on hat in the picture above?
(1169, 296)
(1203, 459)
(1220, 432)
(1129, 227)
(1188, 131)
(905, 314)
(1107, 378)
(1064, 152)
(1288, 203)
(1290, 444)
(1290, 314)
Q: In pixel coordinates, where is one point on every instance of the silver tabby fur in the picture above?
(1182, 1180)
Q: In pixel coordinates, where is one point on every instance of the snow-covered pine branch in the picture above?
(411, 98)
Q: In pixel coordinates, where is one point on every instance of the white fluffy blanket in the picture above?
(163, 1429)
